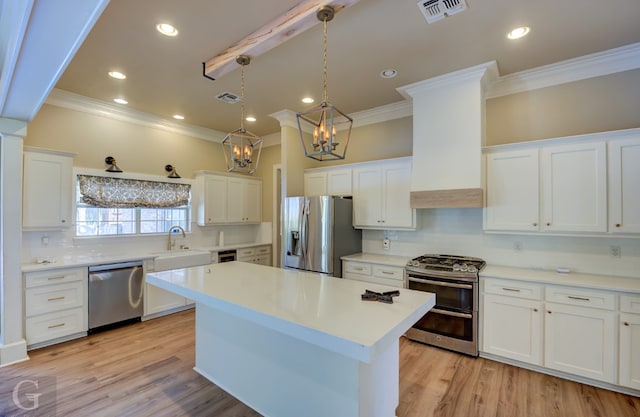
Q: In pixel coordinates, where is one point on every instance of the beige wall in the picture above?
(269, 157)
(136, 148)
(599, 104)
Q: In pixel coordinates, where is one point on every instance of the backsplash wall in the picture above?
(459, 232)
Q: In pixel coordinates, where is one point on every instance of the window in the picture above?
(136, 217)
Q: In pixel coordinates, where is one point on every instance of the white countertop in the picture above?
(324, 311)
(390, 260)
(92, 258)
(603, 282)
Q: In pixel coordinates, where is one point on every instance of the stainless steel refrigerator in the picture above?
(317, 232)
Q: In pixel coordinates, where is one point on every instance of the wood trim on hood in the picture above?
(460, 198)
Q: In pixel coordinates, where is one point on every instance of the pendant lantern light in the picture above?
(324, 130)
(242, 148)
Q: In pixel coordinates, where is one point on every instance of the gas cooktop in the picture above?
(446, 263)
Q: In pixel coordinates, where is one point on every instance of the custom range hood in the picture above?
(448, 135)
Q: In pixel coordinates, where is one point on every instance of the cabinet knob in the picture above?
(64, 221)
(535, 310)
(618, 225)
(548, 223)
(549, 311)
(626, 323)
(535, 224)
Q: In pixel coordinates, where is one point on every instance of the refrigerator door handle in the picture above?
(304, 230)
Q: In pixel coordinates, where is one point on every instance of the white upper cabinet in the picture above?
(328, 181)
(624, 185)
(225, 199)
(381, 195)
(47, 185)
(578, 185)
(574, 187)
(512, 191)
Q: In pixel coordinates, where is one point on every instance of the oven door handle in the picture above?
(450, 313)
(441, 283)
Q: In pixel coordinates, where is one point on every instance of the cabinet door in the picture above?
(315, 183)
(235, 200)
(157, 300)
(629, 370)
(367, 196)
(396, 186)
(512, 328)
(214, 204)
(580, 341)
(512, 187)
(624, 187)
(252, 201)
(46, 191)
(339, 182)
(574, 188)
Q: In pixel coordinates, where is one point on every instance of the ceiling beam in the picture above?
(295, 21)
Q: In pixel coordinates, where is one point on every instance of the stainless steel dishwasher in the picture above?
(115, 293)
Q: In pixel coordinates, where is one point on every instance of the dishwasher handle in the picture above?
(109, 267)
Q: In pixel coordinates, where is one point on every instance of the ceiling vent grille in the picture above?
(434, 10)
(228, 97)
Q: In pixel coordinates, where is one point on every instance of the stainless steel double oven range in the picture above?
(453, 322)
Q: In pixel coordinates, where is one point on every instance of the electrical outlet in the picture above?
(614, 251)
(517, 246)
(45, 240)
(386, 243)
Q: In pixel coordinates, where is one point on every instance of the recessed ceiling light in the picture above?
(518, 33)
(167, 29)
(250, 119)
(120, 101)
(308, 100)
(178, 117)
(117, 75)
(388, 73)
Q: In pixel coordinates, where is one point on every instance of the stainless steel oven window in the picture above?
(450, 294)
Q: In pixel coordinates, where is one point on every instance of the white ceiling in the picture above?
(164, 75)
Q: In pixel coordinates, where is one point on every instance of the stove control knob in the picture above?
(472, 268)
(457, 267)
(464, 268)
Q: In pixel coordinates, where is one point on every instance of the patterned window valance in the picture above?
(129, 193)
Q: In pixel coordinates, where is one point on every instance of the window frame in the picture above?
(137, 223)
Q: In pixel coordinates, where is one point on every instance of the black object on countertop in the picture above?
(384, 297)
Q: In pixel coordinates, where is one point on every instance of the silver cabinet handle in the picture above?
(56, 325)
(511, 289)
(56, 298)
(54, 278)
(451, 313)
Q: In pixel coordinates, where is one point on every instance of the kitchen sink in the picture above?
(180, 258)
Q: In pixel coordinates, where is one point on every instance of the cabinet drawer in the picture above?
(527, 290)
(357, 268)
(58, 276)
(374, 280)
(630, 303)
(54, 325)
(40, 300)
(262, 250)
(580, 297)
(388, 272)
(245, 252)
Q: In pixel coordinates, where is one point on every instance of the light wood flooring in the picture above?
(145, 369)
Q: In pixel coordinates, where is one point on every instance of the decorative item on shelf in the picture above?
(242, 148)
(111, 161)
(172, 171)
(318, 128)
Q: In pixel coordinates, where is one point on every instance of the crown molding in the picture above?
(381, 114)
(615, 60)
(72, 101)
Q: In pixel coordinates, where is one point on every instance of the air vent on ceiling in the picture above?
(228, 97)
(434, 10)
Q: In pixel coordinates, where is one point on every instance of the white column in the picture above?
(13, 347)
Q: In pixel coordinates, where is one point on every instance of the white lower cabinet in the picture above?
(375, 273)
(580, 341)
(55, 305)
(513, 328)
(629, 361)
(567, 329)
(260, 255)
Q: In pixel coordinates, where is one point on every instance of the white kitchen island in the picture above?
(293, 344)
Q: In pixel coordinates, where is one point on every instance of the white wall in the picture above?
(459, 232)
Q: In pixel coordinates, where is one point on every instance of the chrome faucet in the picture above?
(171, 229)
